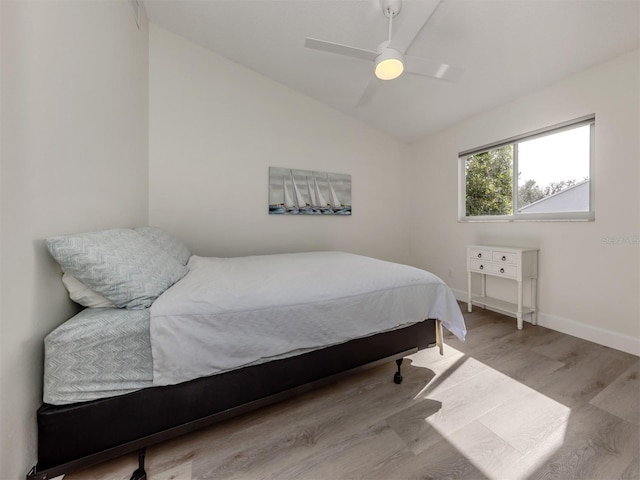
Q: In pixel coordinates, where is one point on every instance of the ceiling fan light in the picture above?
(389, 64)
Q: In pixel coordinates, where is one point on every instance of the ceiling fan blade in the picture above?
(429, 68)
(340, 49)
(416, 16)
(369, 92)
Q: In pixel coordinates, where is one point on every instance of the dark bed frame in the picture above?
(71, 437)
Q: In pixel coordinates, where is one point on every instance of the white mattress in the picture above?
(228, 313)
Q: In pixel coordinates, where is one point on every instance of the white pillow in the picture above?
(80, 293)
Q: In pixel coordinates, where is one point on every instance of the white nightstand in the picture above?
(519, 264)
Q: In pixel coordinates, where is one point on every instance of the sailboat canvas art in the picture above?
(307, 192)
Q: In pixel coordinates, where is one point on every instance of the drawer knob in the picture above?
(481, 267)
(502, 270)
(503, 258)
(479, 255)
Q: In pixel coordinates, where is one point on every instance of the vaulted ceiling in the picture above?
(506, 48)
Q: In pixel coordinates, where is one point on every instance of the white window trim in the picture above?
(530, 217)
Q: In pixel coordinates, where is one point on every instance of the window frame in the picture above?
(524, 217)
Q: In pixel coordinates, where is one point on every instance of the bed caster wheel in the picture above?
(139, 475)
(397, 378)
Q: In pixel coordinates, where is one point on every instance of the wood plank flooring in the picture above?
(505, 404)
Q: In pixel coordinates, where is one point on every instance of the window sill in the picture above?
(588, 217)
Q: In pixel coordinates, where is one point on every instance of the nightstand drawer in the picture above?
(505, 257)
(478, 266)
(478, 254)
(501, 270)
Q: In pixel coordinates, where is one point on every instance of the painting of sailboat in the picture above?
(307, 192)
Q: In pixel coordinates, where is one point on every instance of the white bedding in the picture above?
(227, 313)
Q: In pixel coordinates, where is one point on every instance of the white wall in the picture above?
(74, 151)
(588, 286)
(216, 127)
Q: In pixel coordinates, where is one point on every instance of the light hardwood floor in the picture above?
(505, 404)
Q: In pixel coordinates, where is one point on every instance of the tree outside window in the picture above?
(489, 182)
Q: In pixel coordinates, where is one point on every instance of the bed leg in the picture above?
(397, 378)
(140, 473)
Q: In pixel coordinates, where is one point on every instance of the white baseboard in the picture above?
(624, 343)
(601, 336)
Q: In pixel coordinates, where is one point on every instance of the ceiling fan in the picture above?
(389, 59)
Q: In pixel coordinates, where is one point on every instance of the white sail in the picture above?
(335, 203)
(288, 201)
(299, 199)
(312, 195)
(319, 197)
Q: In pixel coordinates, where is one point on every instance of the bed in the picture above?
(171, 342)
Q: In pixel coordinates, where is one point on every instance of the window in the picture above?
(543, 175)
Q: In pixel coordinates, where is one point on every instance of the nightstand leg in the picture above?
(534, 301)
(469, 292)
(519, 313)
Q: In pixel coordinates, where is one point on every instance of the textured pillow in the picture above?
(80, 293)
(121, 265)
(166, 242)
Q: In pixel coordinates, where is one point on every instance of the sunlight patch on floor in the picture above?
(505, 428)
